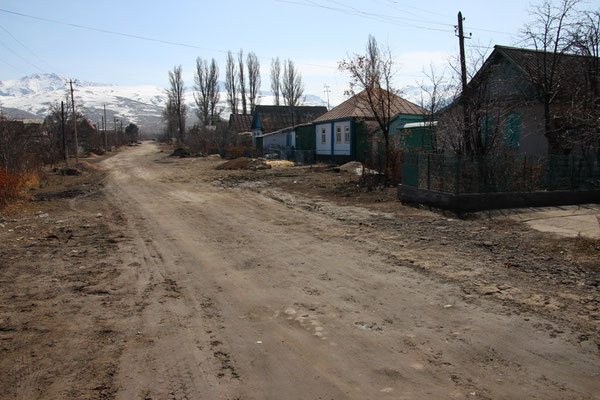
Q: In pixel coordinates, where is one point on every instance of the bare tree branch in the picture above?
(276, 79)
(231, 83)
(242, 80)
(253, 80)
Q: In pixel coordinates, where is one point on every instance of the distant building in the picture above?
(267, 119)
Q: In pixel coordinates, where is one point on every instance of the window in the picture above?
(338, 134)
(347, 134)
(323, 136)
(487, 131)
(512, 131)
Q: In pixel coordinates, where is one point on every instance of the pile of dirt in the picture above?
(280, 163)
(180, 152)
(214, 157)
(96, 152)
(244, 163)
(354, 167)
(86, 166)
(69, 171)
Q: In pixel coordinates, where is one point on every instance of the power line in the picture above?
(21, 57)
(394, 20)
(140, 37)
(12, 66)
(25, 47)
(390, 5)
(372, 16)
(415, 8)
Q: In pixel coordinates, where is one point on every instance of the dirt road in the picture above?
(200, 290)
(245, 297)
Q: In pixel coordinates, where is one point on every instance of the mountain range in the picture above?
(34, 96)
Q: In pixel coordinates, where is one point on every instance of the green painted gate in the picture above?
(410, 169)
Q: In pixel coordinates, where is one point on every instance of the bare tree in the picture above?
(435, 94)
(231, 83)
(253, 80)
(242, 80)
(176, 106)
(214, 94)
(292, 87)
(276, 79)
(585, 108)
(549, 33)
(207, 90)
(371, 78)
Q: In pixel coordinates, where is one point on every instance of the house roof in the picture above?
(570, 70)
(240, 122)
(274, 118)
(358, 106)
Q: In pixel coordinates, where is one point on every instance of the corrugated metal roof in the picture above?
(358, 106)
(240, 122)
(570, 72)
(273, 118)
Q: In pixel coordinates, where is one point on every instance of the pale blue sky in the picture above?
(316, 34)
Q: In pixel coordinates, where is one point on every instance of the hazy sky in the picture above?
(315, 34)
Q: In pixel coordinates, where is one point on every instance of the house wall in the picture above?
(323, 147)
(532, 141)
(341, 143)
(360, 141)
(275, 140)
(290, 139)
(305, 137)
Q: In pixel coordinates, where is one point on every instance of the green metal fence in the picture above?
(507, 173)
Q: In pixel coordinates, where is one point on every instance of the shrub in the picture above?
(10, 187)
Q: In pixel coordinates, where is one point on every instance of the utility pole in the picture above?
(115, 119)
(327, 91)
(74, 124)
(463, 79)
(64, 133)
(105, 123)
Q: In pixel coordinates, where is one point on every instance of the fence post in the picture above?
(571, 172)
(457, 183)
(428, 171)
(525, 180)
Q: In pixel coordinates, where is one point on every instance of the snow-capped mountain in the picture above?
(37, 94)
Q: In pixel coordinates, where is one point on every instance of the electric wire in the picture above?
(21, 57)
(140, 37)
(25, 47)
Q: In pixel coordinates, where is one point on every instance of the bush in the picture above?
(10, 186)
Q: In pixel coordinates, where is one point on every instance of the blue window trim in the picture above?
(352, 139)
(332, 143)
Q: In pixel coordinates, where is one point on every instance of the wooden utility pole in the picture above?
(64, 133)
(105, 123)
(74, 123)
(463, 79)
(115, 119)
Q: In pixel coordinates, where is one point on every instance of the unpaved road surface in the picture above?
(202, 287)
